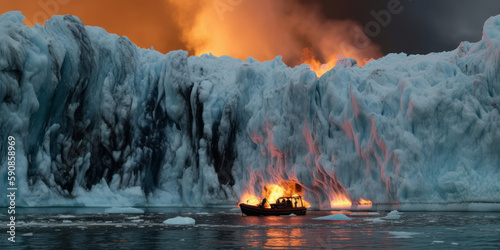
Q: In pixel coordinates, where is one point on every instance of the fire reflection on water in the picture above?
(277, 237)
(276, 232)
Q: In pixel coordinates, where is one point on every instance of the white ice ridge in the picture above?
(101, 122)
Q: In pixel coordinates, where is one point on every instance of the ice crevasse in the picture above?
(99, 121)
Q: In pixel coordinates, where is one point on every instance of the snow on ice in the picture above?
(101, 122)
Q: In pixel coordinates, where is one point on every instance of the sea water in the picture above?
(219, 228)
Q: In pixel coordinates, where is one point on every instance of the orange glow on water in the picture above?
(280, 238)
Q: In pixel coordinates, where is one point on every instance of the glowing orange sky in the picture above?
(239, 28)
(146, 23)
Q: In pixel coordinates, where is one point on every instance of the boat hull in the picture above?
(250, 210)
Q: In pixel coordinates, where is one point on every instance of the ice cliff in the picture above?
(99, 121)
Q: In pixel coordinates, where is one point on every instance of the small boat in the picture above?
(283, 206)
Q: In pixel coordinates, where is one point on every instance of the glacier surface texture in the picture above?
(101, 122)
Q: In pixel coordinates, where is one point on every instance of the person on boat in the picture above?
(288, 202)
(282, 203)
(263, 203)
(278, 203)
(296, 203)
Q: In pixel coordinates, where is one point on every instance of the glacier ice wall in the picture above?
(99, 121)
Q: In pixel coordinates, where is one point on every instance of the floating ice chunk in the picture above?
(27, 234)
(393, 215)
(179, 220)
(438, 242)
(137, 221)
(123, 210)
(67, 221)
(202, 213)
(454, 243)
(65, 216)
(376, 220)
(333, 217)
(402, 234)
(132, 218)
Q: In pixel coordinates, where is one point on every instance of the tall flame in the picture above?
(279, 179)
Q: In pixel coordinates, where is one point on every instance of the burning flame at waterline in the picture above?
(273, 192)
(279, 179)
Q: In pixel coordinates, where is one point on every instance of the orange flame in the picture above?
(319, 68)
(264, 29)
(308, 57)
(250, 199)
(364, 202)
(281, 179)
(272, 192)
(342, 202)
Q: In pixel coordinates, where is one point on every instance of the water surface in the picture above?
(84, 228)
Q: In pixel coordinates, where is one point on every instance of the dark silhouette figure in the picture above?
(263, 203)
(281, 203)
(288, 203)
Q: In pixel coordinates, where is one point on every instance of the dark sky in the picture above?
(423, 26)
